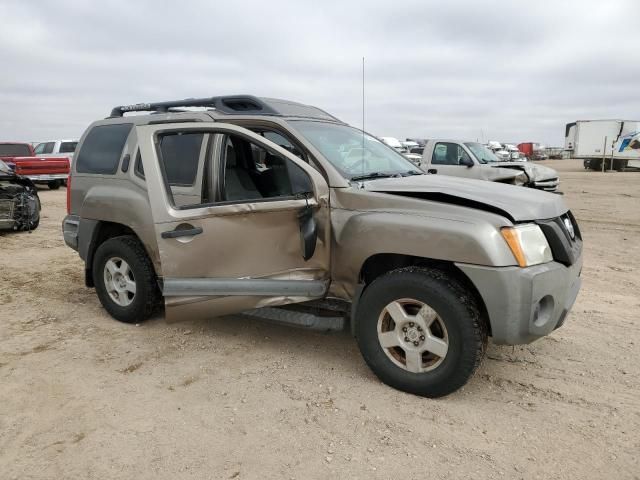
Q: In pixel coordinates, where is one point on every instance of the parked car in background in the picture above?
(474, 160)
(585, 139)
(533, 151)
(50, 170)
(423, 267)
(56, 148)
(419, 141)
(514, 153)
(409, 144)
(394, 143)
(19, 201)
(501, 153)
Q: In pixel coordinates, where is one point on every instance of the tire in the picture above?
(456, 316)
(116, 253)
(54, 184)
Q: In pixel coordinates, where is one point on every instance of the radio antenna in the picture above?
(362, 160)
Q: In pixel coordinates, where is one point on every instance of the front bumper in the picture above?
(525, 304)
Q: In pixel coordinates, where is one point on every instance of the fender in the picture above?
(413, 227)
(116, 202)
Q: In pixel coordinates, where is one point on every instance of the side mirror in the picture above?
(466, 161)
(308, 232)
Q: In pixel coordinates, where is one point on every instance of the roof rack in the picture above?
(226, 104)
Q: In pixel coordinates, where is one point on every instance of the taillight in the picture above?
(69, 194)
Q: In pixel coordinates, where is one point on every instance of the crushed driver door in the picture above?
(240, 222)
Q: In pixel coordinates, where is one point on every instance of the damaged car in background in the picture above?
(474, 160)
(19, 201)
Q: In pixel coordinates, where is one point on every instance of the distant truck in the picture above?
(533, 151)
(21, 158)
(585, 140)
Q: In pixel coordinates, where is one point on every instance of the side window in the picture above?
(251, 172)
(447, 154)
(68, 147)
(102, 149)
(39, 150)
(183, 156)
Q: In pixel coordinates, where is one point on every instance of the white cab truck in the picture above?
(474, 160)
(56, 148)
(614, 141)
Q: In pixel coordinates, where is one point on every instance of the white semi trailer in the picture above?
(616, 142)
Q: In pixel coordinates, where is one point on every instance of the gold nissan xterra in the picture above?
(279, 210)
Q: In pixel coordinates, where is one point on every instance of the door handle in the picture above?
(432, 170)
(182, 230)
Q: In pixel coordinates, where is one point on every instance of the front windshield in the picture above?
(354, 155)
(482, 153)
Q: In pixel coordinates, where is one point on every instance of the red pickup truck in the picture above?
(21, 158)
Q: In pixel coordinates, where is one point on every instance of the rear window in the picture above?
(14, 150)
(102, 148)
(180, 156)
(68, 147)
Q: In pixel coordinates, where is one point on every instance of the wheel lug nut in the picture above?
(411, 324)
(421, 337)
(404, 329)
(415, 343)
(406, 339)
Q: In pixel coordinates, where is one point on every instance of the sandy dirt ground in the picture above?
(83, 396)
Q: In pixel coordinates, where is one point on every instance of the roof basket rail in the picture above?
(226, 104)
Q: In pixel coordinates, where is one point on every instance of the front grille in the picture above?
(566, 248)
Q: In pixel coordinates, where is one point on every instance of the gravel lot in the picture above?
(83, 396)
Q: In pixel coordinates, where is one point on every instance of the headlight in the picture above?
(528, 244)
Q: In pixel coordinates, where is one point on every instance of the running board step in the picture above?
(296, 319)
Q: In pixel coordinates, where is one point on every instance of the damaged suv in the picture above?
(19, 201)
(279, 210)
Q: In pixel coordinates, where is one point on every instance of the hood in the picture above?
(535, 172)
(516, 203)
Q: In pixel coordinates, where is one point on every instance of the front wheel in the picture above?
(420, 331)
(54, 184)
(125, 280)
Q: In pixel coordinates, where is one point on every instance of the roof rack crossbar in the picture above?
(227, 104)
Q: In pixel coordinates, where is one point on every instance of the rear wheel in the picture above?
(125, 280)
(54, 184)
(420, 331)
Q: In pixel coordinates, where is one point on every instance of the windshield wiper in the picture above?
(374, 175)
(413, 172)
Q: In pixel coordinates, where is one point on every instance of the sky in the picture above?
(511, 71)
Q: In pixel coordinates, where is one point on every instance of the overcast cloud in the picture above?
(503, 70)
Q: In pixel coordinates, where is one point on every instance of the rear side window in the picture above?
(68, 147)
(180, 156)
(102, 148)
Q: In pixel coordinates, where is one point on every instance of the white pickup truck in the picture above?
(474, 160)
(56, 148)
